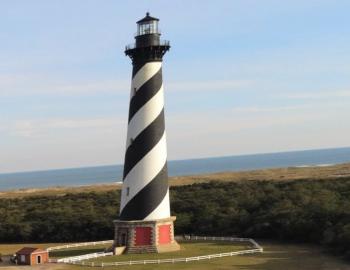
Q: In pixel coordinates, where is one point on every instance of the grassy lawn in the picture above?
(77, 251)
(9, 249)
(276, 256)
(187, 250)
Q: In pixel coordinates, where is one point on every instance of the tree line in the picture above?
(315, 211)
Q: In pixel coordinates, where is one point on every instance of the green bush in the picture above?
(316, 211)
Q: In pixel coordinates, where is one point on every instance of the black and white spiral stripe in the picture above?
(145, 192)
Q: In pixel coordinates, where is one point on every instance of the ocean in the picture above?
(113, 173)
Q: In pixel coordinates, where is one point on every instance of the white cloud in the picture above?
(208, 85)
(32, 84)
(255, 109)
(70, 142)
(319, 95)
(266, 129)
(61, 143)
(23, 128)
(42, 128)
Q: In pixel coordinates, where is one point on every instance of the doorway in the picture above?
(38, 259)
(124, 239)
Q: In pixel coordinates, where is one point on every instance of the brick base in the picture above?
(146, 236)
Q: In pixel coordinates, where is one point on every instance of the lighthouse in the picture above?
(145, 224)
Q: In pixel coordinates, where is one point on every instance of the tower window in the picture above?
(148, 25)
(127, 191)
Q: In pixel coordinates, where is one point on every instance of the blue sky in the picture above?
(241, 77)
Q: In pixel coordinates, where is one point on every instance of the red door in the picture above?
(164, 234)
(143, 236)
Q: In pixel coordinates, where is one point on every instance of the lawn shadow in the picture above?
(74, 252)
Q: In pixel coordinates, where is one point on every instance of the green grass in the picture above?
(187, 250)
(9, 249)
(76, 251)
(276, 256)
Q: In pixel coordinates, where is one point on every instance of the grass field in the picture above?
(276, 256)
(187, 250)
(76, 251)
(9, 249)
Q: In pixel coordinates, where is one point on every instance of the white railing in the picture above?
(219, 238)
(81, 257)
(80, 245)
(256, 249)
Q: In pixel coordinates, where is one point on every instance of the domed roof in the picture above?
(147, 19)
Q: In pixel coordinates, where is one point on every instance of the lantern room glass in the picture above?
(150, 27)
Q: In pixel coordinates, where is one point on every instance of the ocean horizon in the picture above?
(113, 173)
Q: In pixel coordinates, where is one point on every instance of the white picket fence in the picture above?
(80, 245)
(256, 248)
(219, 238)
(81, 257)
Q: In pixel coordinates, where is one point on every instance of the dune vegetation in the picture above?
(301, 210)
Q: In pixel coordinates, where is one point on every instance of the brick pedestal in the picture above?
(151, 236)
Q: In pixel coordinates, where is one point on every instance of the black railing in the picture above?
(161, 43)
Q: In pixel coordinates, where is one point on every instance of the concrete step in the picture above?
(142, 249)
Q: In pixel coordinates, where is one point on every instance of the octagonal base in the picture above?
(145, 236)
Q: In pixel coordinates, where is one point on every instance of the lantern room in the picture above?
(148, 45)
(147, 25)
